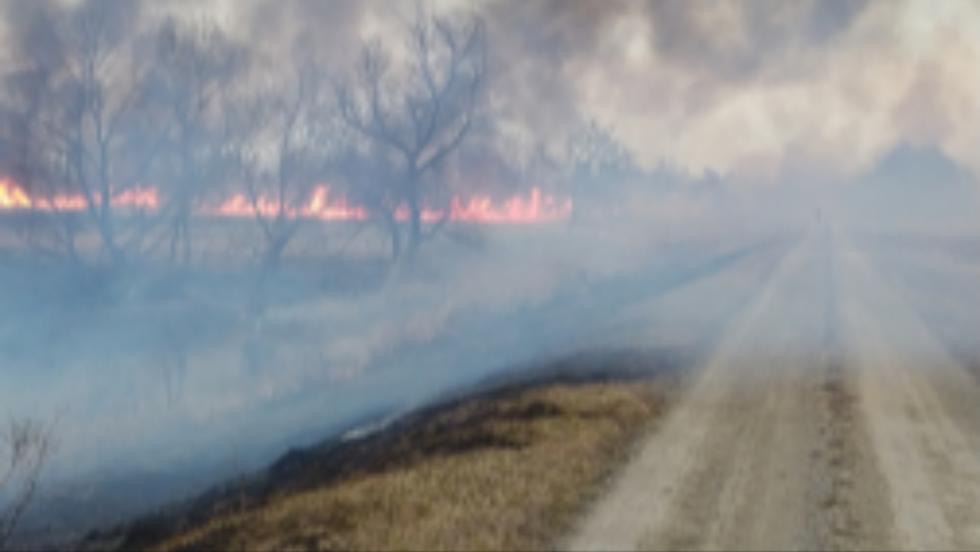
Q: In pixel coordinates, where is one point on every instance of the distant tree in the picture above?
(76, 95)
(284, 143)
(367, 178)
(32, 120)
(25, 446)
(418, 114)
(596, 163)
(193, 67)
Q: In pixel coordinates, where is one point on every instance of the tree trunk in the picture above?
(414, 217)
(275, 247)
(108, 239)
(104, 219)
(273, 255)
(395, 234)
(187, 238)
(180, 239)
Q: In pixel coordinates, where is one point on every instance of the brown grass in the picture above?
(506, 471)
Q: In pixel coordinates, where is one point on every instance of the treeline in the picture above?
(100, 97)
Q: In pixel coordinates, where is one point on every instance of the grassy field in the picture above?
(510, 468)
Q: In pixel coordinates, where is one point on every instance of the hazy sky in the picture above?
(756, 90)
(764, 88)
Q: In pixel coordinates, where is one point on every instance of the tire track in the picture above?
(922, 408)
(851, 496)
(778, 444)
(666, 475)
(733, 467)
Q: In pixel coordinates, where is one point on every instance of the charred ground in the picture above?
(509, 465)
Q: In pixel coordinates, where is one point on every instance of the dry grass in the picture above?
(506, 471)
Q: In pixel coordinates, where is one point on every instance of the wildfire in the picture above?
(536, 207)
(14, 198)
(138, 198)
(319, 206)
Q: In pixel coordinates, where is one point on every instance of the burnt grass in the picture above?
(509, 413)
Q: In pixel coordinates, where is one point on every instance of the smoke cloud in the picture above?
(229, 228)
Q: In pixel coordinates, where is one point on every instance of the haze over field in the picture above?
(232, 228)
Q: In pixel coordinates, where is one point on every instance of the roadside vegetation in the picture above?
(24, 449)
(505, 469)
(195, 219)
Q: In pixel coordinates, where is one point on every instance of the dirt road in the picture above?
(828, 418)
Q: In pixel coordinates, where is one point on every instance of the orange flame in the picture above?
(12, 196)
(319, 206)
(145, 198)
(534, 208)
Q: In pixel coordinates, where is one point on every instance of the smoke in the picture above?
(344, 209)
(734, 42)
(670, 79)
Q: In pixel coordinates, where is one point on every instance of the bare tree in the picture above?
(31, 123)
(368, 178)
(194, 65)
(594, 160)
(25, 446)
(420, 114)
(284, 143)
(80, 96)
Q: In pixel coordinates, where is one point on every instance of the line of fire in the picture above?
(531, 208)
